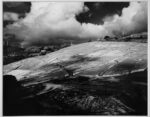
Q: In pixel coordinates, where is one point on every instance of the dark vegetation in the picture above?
(79, 95)
(12, 50)
(141, 37)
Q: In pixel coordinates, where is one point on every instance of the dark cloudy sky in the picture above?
(46, 22)
(97, 10)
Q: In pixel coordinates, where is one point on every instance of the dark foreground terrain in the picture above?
(109, 78)
(120, 95)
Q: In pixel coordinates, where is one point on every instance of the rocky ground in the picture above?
(109, 78)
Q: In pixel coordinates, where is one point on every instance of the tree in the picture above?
(107, 38)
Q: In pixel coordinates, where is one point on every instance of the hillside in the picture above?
(110, 78)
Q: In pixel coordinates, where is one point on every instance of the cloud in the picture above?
(10, 16)
(132, 20)
(50, 22)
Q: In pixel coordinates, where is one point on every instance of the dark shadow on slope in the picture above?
(81, 59)
(122, 67)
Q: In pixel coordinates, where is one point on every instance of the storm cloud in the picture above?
(52, 21)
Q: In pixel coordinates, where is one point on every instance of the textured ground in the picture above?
(110, 79)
